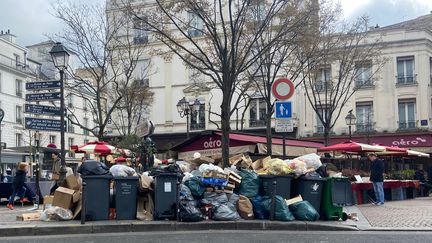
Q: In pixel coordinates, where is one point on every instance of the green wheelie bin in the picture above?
(337, 192)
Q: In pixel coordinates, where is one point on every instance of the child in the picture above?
(18, 185)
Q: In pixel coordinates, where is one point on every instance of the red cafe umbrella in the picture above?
(392, 150)
(352, 147)
(96, 147)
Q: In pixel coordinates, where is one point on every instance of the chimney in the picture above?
(8, 36)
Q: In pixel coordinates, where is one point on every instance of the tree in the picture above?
(106, 58)
(215, 37)
(351, 49)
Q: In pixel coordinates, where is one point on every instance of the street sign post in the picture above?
(53, 84)
(284, 125)
(43, 124)
(43, 96)
(283, 109)
(42, 110)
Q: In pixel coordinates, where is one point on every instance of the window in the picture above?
(257, 112)
(140, 31)
(17, 60)
(319, 125)
(323, 80)
(0, 82)
(70, 101)
(18, 140)
(363, 74)
(198, 119)
(86, 141)
(70, 126)
(364, 114)
(70, 143)
(258, 12)
(196, 25)
(18, 114)
(430, 71)
(405, 70)
(141, 72)
(86, 124)
(18, 87)
(84, 104)
(407, 114)
(52, 139)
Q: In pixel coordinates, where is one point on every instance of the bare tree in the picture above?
(351, 49)
(106, 55)
(215, 37)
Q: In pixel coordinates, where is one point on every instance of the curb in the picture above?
(152, 226)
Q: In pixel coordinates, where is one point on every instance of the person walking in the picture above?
(18, 186)
(377, 178)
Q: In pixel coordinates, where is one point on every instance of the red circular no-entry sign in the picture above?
(283, 89)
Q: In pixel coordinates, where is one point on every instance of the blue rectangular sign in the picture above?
(43, 96)
(43, 124)
(42, 110)
(283, 109)
(43, 85)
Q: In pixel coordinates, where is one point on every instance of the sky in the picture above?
(32, 20)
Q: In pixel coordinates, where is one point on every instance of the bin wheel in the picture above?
(344, 216)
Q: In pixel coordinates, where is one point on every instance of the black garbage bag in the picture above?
(304, 211)
(214, 198)
(225, 212)
(93, 167)
(189, 212)
(282, 211)
(196, 187)
(258, 208)
(167, 169)
(249, 185)
(185, 193)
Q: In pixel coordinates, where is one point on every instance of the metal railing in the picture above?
(407, 79)
(197, 126)
(257, 123)
(364, 127)
(407, 124)
(364, 84)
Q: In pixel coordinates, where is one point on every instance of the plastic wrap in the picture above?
(297, 166)
(278, 167)
(312, 161)
(55, 213)
(185, 193)
(225, 212)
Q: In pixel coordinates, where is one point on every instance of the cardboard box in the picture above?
(47, 202)
(28, 217)
(63, 197)
(72, 182)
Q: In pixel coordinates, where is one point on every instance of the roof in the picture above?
(419, 23)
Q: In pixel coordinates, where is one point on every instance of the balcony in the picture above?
(257, 123)
(404, 125)
(321, 87)
(14, 64)
(364, 84)
(406, 80)
(365, 127)
(140, 40)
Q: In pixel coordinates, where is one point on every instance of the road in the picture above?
(232, 236)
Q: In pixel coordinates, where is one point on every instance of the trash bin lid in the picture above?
(117, 178)
(107, 176)
(312, 178)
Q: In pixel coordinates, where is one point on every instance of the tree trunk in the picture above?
(269, 130)
(326, 136)
(225, 126)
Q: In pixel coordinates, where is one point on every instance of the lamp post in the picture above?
(350, 120)
(1, 119)
(184, 109)
(60, 58)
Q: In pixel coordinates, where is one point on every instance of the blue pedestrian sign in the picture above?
(283, 109)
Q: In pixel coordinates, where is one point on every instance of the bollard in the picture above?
(273, 202)
(177, 201)
(83, 207)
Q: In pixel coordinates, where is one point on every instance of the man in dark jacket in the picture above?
(377, 178)
(18, 185)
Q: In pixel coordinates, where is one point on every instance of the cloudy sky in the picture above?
(31, 20)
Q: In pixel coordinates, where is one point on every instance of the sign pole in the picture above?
(283, 144)
(1, 119)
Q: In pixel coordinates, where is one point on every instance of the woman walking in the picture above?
(18, 185)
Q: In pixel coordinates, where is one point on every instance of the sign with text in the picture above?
(43, 85)
(283, 109)
(43, 96)
(42, 110)
(284, 125)
(43, 124)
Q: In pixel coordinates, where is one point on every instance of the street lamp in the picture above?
(184, 109)
(60, 58)
(1, 119)
(350, 120)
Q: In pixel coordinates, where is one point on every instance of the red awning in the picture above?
(275, 141)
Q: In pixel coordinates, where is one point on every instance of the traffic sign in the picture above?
(283, 89)
(43, 96)
(43, 85)
(283, 109)
(42, 110)
(43, 124)
(284, 125)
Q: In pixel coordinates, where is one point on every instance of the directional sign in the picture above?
(43, 96)
(42, 110)
(43, 85)
(43, 124)
(283, 109)
(284, 125)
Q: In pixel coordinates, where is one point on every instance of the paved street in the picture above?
(232, 236)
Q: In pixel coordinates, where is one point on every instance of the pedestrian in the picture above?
(55, 170)
(18, 185)
(377, 178)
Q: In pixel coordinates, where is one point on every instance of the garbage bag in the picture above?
(233, 198)
(278, 167)
(258, 208)
(282, 211)
(189, 212)
(55, 213)
(214, 198)
(122, 171)
(225, 212)
(245, 208)
(303, 210)
(214, 181)
(185, 193)
(93, 167)
(167, 169)
(312, 160)
(196, 187)
(249, 185)
(297, 166)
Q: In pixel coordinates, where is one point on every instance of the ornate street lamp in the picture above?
(350, 120)
(60, 58)
(184, 109)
